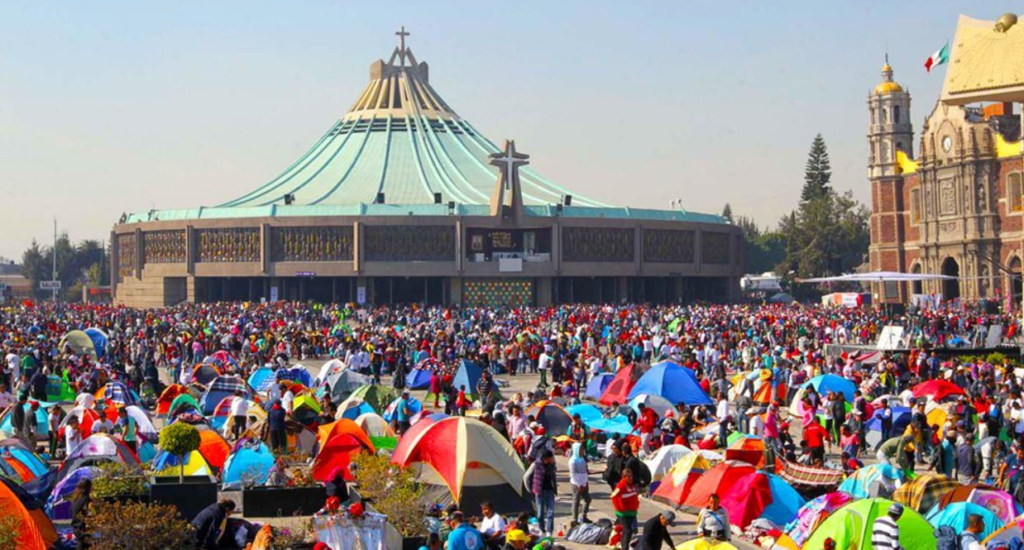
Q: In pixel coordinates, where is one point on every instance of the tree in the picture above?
(818, 173)
(33, 263)
(727, 213)
(180, 439)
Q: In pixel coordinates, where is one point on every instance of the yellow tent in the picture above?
(195, 465)
(705, 544)
(79, 342)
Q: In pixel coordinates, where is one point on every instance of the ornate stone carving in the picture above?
(237, 244)
(592, 244)
(947, 197)
(714, 248)
(164, 247)
(126, 256)
(311, 244)
(947, 227)
(399, 243)
(668, 246)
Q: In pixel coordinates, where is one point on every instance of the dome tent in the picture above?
(851, 525)
(253, 460)
(675, 383)
(466, 462)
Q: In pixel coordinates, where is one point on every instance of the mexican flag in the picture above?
(940, 57)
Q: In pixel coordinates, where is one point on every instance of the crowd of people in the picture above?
(567, 346)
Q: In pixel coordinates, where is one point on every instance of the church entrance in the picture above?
(1015, 285)
(915, 286)
(950, 287)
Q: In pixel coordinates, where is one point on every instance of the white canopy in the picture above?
(878, 277)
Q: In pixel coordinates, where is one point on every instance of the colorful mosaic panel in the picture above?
(591, 244)
(714, 248)
(400, 243)
(669, 246)
(497, 292)
(126, 256)
(236, 244)
(311, 244)
(164, 247)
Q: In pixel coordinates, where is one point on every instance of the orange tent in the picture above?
(746, 449)
(339, 440)
(163, 403)
(213, 447)
(29, 537)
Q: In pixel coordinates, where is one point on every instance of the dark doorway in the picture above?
(915, 286)
(950, 287)
(1015, 282)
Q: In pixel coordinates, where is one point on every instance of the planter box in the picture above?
(269, 502)
(190, 497)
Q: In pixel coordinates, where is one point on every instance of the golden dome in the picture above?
(888, 88)
(886, 68)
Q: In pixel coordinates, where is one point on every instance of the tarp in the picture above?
(618, 390)
(851, 526)
(675, 383)
(250, 464)
(261, 379)
(598, 384)
(58, 390)
(586, 411)
(955, 515)
(924, 491)
(937, 389)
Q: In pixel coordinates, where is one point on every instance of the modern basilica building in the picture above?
(402, 200)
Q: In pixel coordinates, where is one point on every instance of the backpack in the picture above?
(946, 538)
(645, 475)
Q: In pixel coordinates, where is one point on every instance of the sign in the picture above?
(273, 294)
(361, 295)
(510, 265)
(49, 285)
(305, 273)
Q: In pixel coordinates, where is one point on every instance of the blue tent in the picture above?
(252, 462)
(99, 341)
(261, 379)
(832, 383)
(422, 355)
(415, 406)
(598, 384)
(296, 374)
(616, 425)
(418, 379)
(955, 515)
(468, 375)
(675, 383)
(353, 413)
(901, 417)
(42, 423)
(786, 502)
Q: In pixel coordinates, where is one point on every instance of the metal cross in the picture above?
(401, 42)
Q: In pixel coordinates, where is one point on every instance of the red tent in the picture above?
(746, 498)
(338, 442)
(937, 389)
(621, 385)
(716, 481)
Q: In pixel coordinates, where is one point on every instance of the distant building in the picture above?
(956, 207)
(402, 200)
(14, 287)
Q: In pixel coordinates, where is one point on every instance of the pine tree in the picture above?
(818, 173)
(727, 213)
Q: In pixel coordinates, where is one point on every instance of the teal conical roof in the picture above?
(400, 139)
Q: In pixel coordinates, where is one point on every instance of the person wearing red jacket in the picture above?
(816, 435)
(645, 424)
(626, 501)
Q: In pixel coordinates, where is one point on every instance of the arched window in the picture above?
(896, 114)
(884, 118)
(1014, 192)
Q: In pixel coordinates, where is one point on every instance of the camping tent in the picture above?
(664, 459)
(466, 462)
(117, 393)
(261, 379)
(99, 341)
(552, 416)
(675, 383)
(29, 470)
(901, 417)
(182, 404)
(204, 374)
(715, 481)
(375, 395)
(213, 446)
(352, 408)
(390, 413)
(955, 515)
(343, 382)
(338, 443)
(29, 536)
(79, 342)
(98, 448)
(330, 367)
(221, 387)
(924, 491)
(760, 495)
(418, 379)
(250, 464)
(676, 484)
(937, 389)
(299, 437)
(598, 384)
(296, 373)
(468, 374)
(374, 425)
(42, 424)
(167, 465)
(620, 386)
(163, 403)
(850, 527)
(812, 513)
(997, 501)
(876, 480)
(57, 507)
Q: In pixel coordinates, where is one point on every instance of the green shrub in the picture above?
(136, 526)
(115, 480)
(180, 439)
(394, 491)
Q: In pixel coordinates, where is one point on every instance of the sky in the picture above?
(109, 107)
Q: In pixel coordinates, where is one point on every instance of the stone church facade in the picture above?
(954, 209)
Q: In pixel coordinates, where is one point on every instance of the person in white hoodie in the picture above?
(579, 478)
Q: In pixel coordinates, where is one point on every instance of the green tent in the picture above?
(376, 396)
(851, 526)
(181, 401)
(58, 390)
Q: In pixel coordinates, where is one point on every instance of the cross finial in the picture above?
(509, 161)
(401, 34)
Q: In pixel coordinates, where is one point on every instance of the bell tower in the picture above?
(889, 126)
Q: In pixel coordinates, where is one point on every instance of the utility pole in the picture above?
(54, 277)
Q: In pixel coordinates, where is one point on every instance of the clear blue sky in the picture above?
(108, 107)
